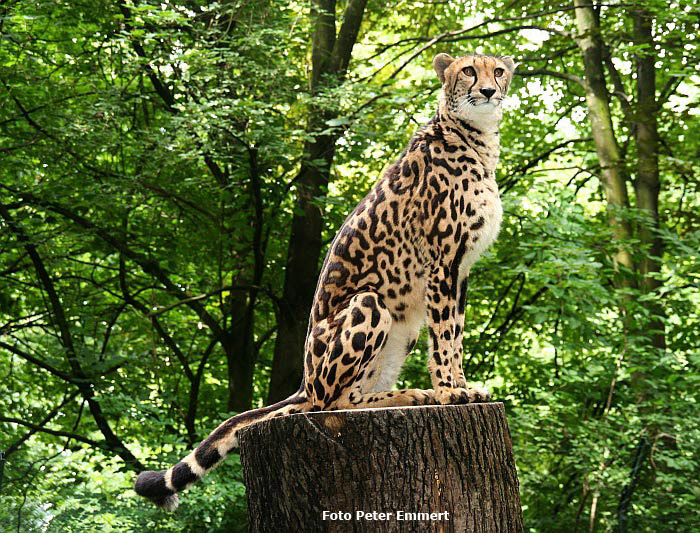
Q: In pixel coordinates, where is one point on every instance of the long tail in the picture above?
(161, 487)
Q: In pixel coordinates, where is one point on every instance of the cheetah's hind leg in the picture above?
(353, 361)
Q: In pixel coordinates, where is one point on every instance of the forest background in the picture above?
(171, 174)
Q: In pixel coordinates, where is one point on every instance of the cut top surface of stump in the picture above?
(378, 469)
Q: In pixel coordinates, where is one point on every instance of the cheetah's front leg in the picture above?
(442, 299)
(457, 370)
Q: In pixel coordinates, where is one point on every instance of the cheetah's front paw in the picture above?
(462, 395)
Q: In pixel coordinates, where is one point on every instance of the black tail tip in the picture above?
(151, 484)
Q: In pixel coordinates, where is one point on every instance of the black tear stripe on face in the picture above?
(476, 78)
(454, 85)
(499, 85)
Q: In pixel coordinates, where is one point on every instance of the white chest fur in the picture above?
(488, 205)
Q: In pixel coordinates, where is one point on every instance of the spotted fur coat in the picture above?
(400, 261)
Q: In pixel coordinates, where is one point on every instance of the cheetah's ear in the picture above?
(509, 63)
(440, 64)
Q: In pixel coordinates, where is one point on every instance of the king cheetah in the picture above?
(399, 261)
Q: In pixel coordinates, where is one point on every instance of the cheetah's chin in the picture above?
(487, 104)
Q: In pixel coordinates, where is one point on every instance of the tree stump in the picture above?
(409, 469)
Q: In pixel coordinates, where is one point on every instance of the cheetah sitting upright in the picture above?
(403, 255)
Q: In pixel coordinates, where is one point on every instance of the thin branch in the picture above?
(166, 96)
(553, 74)
(619, 91)
(49, 416)
(264, 338)
(37, 362)
(160, 88)
(149, 266)
(195, 386)
(51, 104)
(185, 301)
(459, 35)
(527, 166)
(177, 198)
(167, 338)
(670, 87)
(57, 432)
(83, 381)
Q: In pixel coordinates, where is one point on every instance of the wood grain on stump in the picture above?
(454, 459)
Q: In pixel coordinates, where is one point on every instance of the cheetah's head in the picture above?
(474, 86)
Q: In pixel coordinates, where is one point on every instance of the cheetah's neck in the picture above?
(483, 139)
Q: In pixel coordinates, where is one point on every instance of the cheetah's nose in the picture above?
(488, 93)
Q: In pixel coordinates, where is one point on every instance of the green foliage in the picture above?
(166, 171)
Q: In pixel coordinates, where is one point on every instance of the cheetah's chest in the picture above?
(487, 206)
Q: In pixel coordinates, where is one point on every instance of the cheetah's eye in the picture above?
(469, 71)
(498, 72)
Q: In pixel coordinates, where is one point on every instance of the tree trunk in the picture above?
(613, 174)
(455, 462)
(240, 355)
(330, 58)
(301, 271)
(647, 185)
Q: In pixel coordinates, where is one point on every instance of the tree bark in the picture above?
(454, 459)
